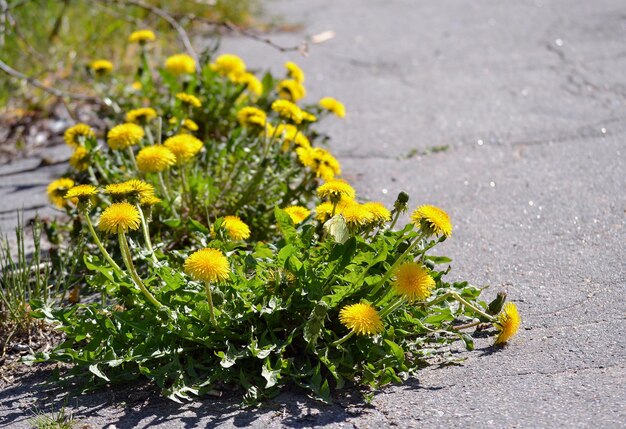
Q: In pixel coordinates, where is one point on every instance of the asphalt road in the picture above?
(511, 116)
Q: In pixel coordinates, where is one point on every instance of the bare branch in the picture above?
(170, 20)
(51, 90)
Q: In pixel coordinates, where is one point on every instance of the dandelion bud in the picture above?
(401, 203)
(496, 305)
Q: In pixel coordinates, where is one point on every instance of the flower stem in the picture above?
(395, 219)
(132, 157)
(391, 306)
(209, 297)
(104, 252)
(146, 233)
(128, 261)
(343, 340)
(463, 301)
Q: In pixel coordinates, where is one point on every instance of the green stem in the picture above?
(132, 157)
(395, 219)
(343, 340)
(146, 233)
(209, 297)
(104, 252)
(391, 306)
(128, 261)
(473, 307)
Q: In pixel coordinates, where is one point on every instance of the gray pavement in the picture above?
(529, 99)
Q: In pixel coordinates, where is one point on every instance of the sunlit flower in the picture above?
(180, 64)
(333, 106)
(131, 189)
(413, 282)
(190, 125)
(141, 36)
(149, 200)
(57, 189)
(101, 66)
(335, 189)
(356, 214)
(286, 109)
(378, 211)
(119, 217)
(124, 136)
(80, 159)
(251, 116)
(297, 213)
(507, 322)
(432, 220)
(294, 71)
(136, 86)
(83, 193)
(362, 318)
(184, 147)
(253, 84)
(320, 161)
(76, 134)
(189, 99)
(207, 265)
(143, 115)
(292, 136)
(323, 211)
(227, 64)
(236, 228)
(308, 117)
(291, 90)
(154, 159)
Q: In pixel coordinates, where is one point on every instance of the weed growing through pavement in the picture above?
(227, 250)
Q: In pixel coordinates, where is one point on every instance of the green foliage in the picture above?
(311, 301)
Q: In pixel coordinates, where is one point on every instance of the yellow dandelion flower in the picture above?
(251, 116)
(292, 136)
(286, 109)
(227, 64)
(124, 136)
(320, 161)
(207, 265)
(294, 71)
(291, 90)
(432, 220)
(361, 318)
(75, 135)
(252, 83)
(154, 159)
(336, 189)
(413, 282)
(180, 64)
(80, 159)
(323, 211)
(309, 117)
(334, 106)
(236, 228)
(507, 322)
(190, 125)
(129, 189)
(57, 189)
(189, 99)
(141, 36)
(81, 192)
(101, 66)
(183, 146)
(143, 114)
(136, 86)
(298, 213)
(149, 200)
(378, 211)
(119, 217)
(356, 215)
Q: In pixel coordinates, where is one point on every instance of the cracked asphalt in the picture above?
(509, 115)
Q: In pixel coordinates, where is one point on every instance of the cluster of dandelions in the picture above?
(147, 174)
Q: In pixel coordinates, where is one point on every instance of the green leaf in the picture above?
(285, 224)
(270, 375)
(197, 226)
(396, 350)
(93, 368)
(93, 263)
(438, 259)
(313, 327)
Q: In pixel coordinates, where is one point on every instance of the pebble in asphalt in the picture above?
(511, 116)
